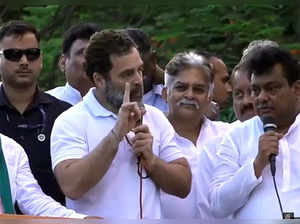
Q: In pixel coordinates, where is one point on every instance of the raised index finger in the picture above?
(126, 98)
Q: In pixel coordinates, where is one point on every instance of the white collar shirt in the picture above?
(25, 189)
(79, 130)
(66, 93)
(174, 207)
(235, 188)
(154, 98)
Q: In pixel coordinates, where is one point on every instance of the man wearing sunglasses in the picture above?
(26, 113)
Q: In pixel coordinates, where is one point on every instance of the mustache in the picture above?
(185, 101)
(23, 70)
(262, 106)
(247, 108)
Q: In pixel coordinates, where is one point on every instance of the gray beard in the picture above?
(114, 96)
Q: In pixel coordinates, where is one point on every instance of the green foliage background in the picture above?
(224, 29)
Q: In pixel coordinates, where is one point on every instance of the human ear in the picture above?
(99, 80)
(165, 94)
(61, 63)
(296, 88)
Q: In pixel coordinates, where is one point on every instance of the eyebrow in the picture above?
(185, 83)
(267, 83)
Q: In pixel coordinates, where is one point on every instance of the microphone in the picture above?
(269, 125)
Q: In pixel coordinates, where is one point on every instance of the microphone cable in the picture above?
(270, 125)
(277, 194)
(141, 177)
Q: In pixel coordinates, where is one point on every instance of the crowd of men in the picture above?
(125, 138)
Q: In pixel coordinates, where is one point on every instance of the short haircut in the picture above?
(186, 60)
(256, 44)
(141, 39)
(209, 56)
(100, 48)
(264, 59)
(18, 28)
(242, 67)
(79, 31)
(206, 54)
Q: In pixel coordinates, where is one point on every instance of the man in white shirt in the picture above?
(96, 145)
(243, 184)
(188, 91)
(24, 188)
(71, 64)
(244, 109)
(243, 105)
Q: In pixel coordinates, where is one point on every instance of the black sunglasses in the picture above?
(14, 54)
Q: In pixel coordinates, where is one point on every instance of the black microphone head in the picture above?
(269, 123)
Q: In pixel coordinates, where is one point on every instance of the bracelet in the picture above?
(117, 137)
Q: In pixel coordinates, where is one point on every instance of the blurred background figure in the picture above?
(71, 64)
(221, 107)
(153, 75)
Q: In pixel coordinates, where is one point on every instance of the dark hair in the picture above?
(141, 39)
(101, 46)
(78, 31)
(255, 44)
(242, 67)
(18, 28)
(263, 60)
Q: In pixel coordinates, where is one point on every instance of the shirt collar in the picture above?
(157, 89)
(39, 98)
(73, 93)
(203, 126)
(294, 125)
(94, 106)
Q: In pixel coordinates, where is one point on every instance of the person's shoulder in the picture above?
(220, 124)
(155, 114)
(76, 113)
(57, 103)
(153, 110)
(55, 90)
(10, 146)
(247, 127)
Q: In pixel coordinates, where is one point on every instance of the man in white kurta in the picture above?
(242, 183)
(239, 191)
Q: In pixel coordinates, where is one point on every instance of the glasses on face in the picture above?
(14, 54)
